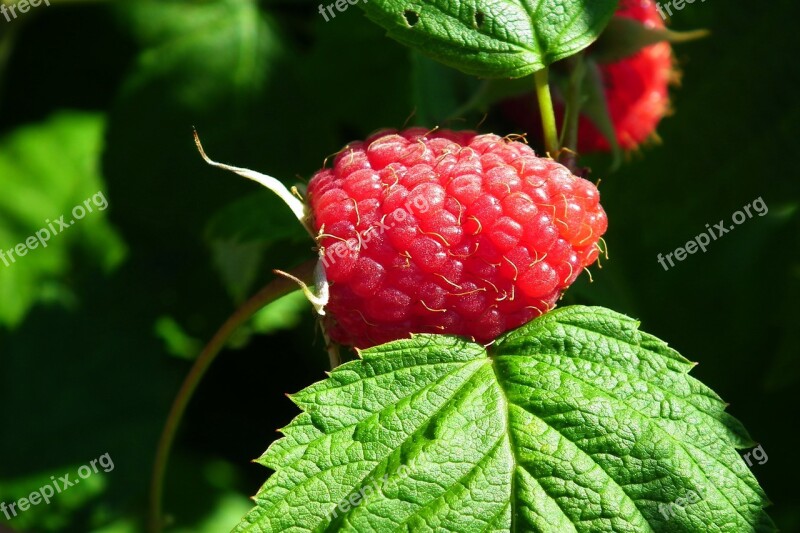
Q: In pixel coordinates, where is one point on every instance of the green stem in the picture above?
(547, 113)
(275, 289)
(569, 133)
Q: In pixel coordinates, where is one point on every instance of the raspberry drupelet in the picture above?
(448, 232)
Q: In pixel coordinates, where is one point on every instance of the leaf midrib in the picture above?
(478, 363)
(680, 444)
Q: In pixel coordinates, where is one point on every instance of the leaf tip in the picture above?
(293, 397)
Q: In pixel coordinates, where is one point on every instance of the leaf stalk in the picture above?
(546, 111)
(276, 288)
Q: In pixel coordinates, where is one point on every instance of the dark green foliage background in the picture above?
(272, 86)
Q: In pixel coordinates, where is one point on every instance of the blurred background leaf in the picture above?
(45, 171)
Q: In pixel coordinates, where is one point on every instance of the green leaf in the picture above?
(625, 36)
(242, 233)
(284, 313)
(176, 341)
(205, 64)
(595, 106)
(56, 514)
(436, 90)
(48, 171)
(577, 421)
(494, 38)
(199, 52)
(490, 92)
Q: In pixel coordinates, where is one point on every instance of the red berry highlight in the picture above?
(448, 232)
(636, 88)
(636, 91)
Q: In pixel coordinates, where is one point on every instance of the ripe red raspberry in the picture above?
(448, 232)
(636, 90)
(637, 87)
